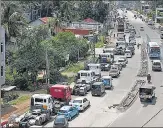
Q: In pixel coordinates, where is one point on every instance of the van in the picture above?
(156, 65)
(98, 88)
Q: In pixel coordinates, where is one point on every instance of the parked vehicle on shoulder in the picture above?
(60, 121)
(161, 35)
(107, 80)
(80, 102)
(147, 93)
(69, 112)
(156, 65)
(122, 62)
(98, 88)
(128, 53)
(114, 71)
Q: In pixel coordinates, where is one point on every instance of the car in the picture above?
(127, 31)
(141, 28)
(60, 121)
(125, 58)
(156, 65)
(119, 65)
(114, 71)
(69, 112)
(150, 22)
(132, 49)
(80, 102)
(133, 41)
(122, 61)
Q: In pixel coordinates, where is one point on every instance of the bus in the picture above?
(153, 50)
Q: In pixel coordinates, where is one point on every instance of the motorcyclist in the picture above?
(148, 77)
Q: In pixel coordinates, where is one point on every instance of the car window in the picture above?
(71, 109)
(59, 121)
(77, 101)
(157, 63)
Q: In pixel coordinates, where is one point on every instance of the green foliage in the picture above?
(73, 68)
(20, 100)
(100, 44)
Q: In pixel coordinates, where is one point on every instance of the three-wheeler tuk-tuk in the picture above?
(147, 93)
(107, 80)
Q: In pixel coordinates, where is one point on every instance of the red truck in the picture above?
(61, 92)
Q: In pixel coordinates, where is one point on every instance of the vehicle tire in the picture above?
(70, 118)
(38, 122)
(89, 104)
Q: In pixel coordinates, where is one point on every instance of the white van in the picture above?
(96, 68)
(128, 53)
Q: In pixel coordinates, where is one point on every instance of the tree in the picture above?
(12, 19)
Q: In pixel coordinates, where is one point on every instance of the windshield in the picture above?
(83, 74)
(145, 90)
(62, 111)
(127, 51)
(156, 63)
(157, 49)
(77, 101)
(96, 86)
(106, 81)
(120, 60)
(59, 121)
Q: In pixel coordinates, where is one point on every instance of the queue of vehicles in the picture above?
(59, 100)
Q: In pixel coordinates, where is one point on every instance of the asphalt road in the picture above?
(98, 114)
(146, 114)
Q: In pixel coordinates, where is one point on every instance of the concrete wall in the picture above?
(2, 56)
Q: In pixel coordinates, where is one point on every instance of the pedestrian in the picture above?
(114, 35)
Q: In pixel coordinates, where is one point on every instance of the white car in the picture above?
(124, 57)
(81, 102)
(122, 62)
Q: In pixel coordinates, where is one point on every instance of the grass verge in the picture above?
(20, 100)
(100, 44)
(73, 68)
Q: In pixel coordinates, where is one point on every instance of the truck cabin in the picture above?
(60, 92)
(8, 93)
(85, 76)
(146, 90)
(96, 68)
(109, 50)
(41, 99)
(121, 44)
(106, 58)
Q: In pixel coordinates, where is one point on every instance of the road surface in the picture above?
(147, 114)
(98, 114)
